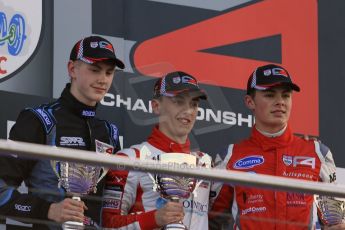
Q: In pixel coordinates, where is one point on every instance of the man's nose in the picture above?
(102, 78)
(280, 100)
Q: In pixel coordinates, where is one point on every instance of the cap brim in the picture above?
(193, 92)
(288, 84)
(119, 63)
(200, 94)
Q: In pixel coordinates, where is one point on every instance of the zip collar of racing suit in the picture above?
(164, 143)
(75, 106)
(268, 143)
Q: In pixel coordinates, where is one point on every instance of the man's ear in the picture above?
(249, 101)
(155, 106)
(71, 69)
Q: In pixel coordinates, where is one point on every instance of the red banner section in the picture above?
(294, 20)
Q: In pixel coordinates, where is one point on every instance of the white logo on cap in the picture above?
(93, 44)
(176, 80)
(267, 72)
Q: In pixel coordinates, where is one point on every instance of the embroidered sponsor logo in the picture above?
(287, 160)
(176, 80)
(299, 160)
(106, 45)
(332, 177)
(195, 207)
(253, 210)
(188, 80)
(44, 116)
(253, 198)
(102, 147)
(296, 199)
(88, 113)
(249, 162)
(22, 208)
(280, 72)
(298, 175)
(112, 203)
(302, 160)
(93, 44)
(72, 141)
(267, 72)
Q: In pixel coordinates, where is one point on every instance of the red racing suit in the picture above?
(129, 199)
(285, 156)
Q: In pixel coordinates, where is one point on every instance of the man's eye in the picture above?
(195, 104)
(178, 101)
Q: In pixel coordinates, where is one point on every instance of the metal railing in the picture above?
(22, 149)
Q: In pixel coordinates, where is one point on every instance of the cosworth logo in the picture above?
(20, 30)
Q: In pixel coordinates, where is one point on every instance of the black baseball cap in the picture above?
(95, 49)
(175, 83)
(268, 76)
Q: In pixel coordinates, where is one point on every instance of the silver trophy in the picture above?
(79, 179)
(331, 210)
(174, 188)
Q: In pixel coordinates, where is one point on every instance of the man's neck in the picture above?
(275, 134)
(180, 140)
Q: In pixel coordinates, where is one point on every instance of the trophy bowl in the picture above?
(79, 179)
(175, 188)
(331, 210)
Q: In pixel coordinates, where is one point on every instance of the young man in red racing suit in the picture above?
(129, 199)
(272, 149)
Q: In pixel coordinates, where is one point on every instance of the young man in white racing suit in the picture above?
(129, 199)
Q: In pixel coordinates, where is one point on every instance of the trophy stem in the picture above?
(175, 226)
(175, 199)
(73, 225)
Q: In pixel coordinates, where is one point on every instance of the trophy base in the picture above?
(72, 225)
(177, 226)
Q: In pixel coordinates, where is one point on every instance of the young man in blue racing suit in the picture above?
(68, 122)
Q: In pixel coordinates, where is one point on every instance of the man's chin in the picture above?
(185, 131)
(98, 98)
